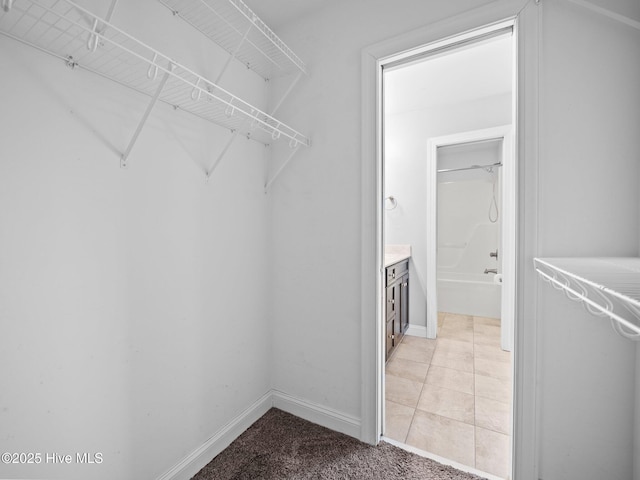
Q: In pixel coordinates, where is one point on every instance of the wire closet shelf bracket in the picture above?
(606, 287)
(82, 39)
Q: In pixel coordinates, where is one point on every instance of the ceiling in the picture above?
(480, 71)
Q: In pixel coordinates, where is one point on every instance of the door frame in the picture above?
(507, 230)
(527, 18)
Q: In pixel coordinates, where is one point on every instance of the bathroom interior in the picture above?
(449, 394)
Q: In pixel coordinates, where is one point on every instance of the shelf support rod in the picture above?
(233, 55)
(154, 99)
(99, 28)
(112, 7)
(293, 152)
(224, 151)
(286, 94)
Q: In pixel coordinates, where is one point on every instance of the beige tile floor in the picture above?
(452, 396)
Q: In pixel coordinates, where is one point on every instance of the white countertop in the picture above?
(396, 253)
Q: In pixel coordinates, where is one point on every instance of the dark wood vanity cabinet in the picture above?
(397, 304)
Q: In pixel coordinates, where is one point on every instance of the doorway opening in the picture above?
(448, 231)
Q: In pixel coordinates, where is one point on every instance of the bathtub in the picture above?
(469, 294)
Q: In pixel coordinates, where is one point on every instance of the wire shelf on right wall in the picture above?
(606, 286)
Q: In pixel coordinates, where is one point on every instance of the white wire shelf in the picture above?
(606, 286)
(236, 28)
(84, 40)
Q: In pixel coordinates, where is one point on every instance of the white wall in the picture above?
(590, 118)
(406, 175)
(316, 204)
(132, 302)
(589, 143)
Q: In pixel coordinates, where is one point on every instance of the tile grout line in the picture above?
(416, 407)
(424, 385)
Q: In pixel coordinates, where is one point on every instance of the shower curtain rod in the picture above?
(472, 167)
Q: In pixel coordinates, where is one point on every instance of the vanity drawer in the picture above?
(396, 271)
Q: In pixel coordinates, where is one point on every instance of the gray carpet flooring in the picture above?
(280, 446)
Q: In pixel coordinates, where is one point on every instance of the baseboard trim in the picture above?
(313, 412)
(417, 331)
(196, 460)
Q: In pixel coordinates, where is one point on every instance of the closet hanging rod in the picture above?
(472, 167)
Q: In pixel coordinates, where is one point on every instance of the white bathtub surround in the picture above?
(469, 294)
(396, 253)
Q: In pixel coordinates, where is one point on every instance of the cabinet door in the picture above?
(392, 300)
(404, 303)
(389, 338)
(397, 327)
